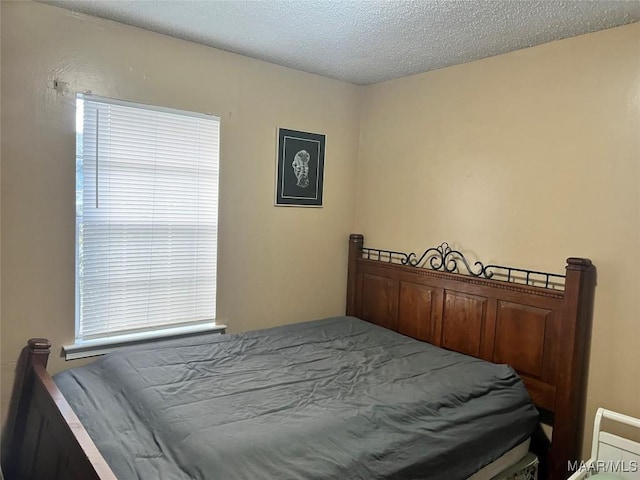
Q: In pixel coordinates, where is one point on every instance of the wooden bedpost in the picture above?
(356, 241)
(571, 383)
(38, 350)
(35, 353)
(46, 440)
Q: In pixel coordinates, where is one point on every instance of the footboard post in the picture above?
(356, 241)
(46, 440)
(35, 353)
(39, 349)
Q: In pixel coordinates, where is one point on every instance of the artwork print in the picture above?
(300, 174)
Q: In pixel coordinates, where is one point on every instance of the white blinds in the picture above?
(147, 217)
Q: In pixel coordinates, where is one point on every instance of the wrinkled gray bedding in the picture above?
(331, 399)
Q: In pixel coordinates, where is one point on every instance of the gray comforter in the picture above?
(331, 399)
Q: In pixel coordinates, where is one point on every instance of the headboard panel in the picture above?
(541, 332)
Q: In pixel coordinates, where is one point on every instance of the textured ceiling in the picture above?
(366, 41)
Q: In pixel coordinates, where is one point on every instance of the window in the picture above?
(146, 218)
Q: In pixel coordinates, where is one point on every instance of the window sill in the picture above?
(100, 346)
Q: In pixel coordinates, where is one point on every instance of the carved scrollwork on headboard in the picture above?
(444, 258)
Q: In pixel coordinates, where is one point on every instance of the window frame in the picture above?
(83, 347)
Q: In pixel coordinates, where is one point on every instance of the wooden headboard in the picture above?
(537, 322)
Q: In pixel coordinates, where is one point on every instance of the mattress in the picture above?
(333, 398)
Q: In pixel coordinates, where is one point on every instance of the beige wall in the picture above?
(276, 265)
(525, 159)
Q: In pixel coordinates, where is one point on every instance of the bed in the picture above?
(374, 411)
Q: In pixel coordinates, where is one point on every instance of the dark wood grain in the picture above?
(463, 313)
(415, 317)
(520, 337)
(380, 300)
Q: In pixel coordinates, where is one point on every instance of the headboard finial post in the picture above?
(571, 382)
(576, 263)
(356, 242)
(356, 238)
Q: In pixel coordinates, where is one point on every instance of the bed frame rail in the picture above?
(46, 439)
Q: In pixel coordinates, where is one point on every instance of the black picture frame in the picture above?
(300, 168)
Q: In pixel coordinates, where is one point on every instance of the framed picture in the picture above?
(300, 174)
